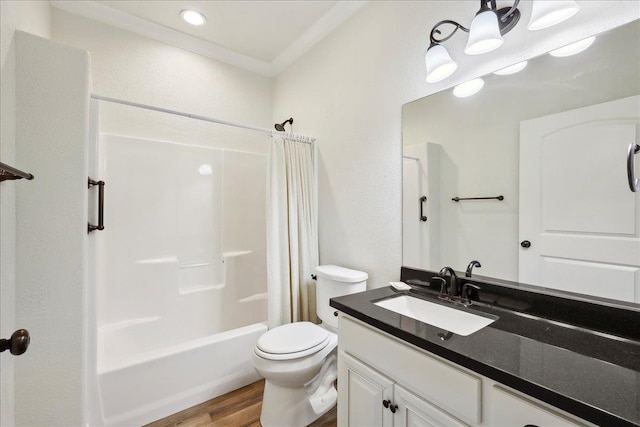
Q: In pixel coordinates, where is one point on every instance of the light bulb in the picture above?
(484, 34)
(439, 64)
(468, 88)
(512, 69)
(573, 48)
(545, 13)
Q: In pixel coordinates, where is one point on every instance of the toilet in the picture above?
(299, 360)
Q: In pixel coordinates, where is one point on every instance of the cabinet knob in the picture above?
(393, 408)
(335, 313)
(17, 344)
(386, 403)
(525, 244)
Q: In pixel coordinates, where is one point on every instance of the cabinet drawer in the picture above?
(449, 388)
(509, 409)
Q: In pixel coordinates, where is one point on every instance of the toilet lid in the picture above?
(292, 338)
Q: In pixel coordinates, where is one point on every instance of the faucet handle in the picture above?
(466, 292)
(443, 284)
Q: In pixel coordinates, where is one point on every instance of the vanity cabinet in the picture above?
(509, 409)
(366, 389)
(377, 401)
(383, 381)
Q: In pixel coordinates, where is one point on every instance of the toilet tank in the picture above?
(334, 281)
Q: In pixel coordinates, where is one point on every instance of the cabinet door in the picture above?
(415, 412)
(507, 409)
(362, 392)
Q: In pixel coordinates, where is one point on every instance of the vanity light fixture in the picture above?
(192, 17)
(468, 88)
(512, 69)
(545, 13)
(487, 29)
(573, 48)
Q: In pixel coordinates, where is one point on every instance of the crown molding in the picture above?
(335, 16)
(116, 18)
(339, 13)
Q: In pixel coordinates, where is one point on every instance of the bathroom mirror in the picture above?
(548, 147)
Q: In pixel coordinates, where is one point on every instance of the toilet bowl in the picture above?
(299, 384)
(299, 360)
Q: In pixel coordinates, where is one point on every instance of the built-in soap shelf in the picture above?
(232, 254)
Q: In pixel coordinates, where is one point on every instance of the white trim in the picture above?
(335, 16)
(339, 13)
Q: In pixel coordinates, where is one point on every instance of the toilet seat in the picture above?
(292, 341)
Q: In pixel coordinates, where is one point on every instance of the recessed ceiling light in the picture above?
(192, 17)
(511, 69)
(573, 48)
(468, 88)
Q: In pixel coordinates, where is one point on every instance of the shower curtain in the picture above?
(292, 229)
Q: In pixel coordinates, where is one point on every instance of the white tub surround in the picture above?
(180, 276)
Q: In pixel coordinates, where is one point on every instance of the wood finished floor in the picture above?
(240, 408)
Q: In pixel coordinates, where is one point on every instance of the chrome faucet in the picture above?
(453, 280)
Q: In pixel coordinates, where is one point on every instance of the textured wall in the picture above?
(52, 101)
(348, 91)
(131, 67)
(33, 16)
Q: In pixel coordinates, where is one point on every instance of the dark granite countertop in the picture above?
(592, 374)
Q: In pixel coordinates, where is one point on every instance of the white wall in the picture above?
(33, 17)
(348, 92)
(128, 66)
(52, 112)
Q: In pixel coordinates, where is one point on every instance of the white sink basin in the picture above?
(451, 319)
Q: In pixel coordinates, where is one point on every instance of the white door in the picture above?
(415, 412)
(366, 394)
(576, 209)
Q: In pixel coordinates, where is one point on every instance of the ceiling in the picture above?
(261, 36)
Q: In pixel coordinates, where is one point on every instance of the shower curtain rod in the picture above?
(192, 116)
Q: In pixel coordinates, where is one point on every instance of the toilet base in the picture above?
(290, 407)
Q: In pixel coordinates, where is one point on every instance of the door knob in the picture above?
(17, 344)
(525, 244)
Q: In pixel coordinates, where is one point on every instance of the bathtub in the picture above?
(180, 278)
(153, 384)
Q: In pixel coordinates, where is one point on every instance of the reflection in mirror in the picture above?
(553, 140)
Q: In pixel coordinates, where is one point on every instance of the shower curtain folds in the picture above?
(292, 229)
